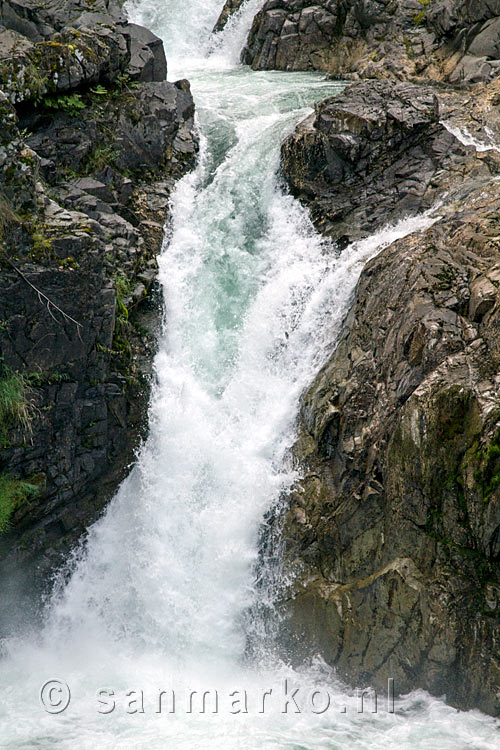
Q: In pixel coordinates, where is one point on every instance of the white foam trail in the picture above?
(467, 139)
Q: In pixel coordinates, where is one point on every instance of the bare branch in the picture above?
(43, 298)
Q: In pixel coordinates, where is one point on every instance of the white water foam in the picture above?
(467, 139)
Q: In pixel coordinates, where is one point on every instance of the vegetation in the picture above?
(12, 493)
(15, 407)
(8, 216)
(72, 104)
(123, 291)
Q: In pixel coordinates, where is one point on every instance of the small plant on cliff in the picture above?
(15, 407)
(101, 156)
(72, 104)
(123, 291)
(13, 492)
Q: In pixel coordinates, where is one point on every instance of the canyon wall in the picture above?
(92, 140)
(391, 538)
(441, 40)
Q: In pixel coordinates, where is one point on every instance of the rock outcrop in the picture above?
(371, 155)
(453, 40)
(229, 9)
(92, 139)
(392, 536)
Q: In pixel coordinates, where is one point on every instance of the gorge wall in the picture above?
(452, 40)
(92, 139)
(392, 536)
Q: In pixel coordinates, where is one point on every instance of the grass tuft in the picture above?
(13, 492)
(15, 407)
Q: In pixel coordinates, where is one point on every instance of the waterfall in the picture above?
(157, 600)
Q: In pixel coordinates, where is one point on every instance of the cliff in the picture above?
(392, 536)
(92, 139)
(440, 40)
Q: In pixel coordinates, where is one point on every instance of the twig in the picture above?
(43, 297)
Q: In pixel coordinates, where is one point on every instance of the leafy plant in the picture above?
(72, 104)
(100, 90)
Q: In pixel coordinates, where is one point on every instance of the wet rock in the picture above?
(85, 181)
(392, 536)
(372, 154)
(229, 9)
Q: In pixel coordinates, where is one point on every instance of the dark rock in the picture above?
(371, 155)
(147, 55)
(83, 200)
(229, 9)
(403, 40)
(391, 539)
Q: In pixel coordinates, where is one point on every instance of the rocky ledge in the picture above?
(441, 40)
(393, 533)
(92, 139)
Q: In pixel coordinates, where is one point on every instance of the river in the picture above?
(157, 610)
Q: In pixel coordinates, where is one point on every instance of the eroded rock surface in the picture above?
(393, 535)
(454, 40)
(92, 139)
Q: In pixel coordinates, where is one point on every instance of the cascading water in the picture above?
(157, 601)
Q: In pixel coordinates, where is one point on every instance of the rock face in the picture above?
(453, 40)
(393, 534)
(229, 9)
(92, 139)
(373, 154)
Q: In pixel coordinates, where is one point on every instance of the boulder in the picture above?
(370, 155)
(147, 54)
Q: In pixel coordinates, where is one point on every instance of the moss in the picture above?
(42, 247)
(487, 474)
(12, 493)
(456, 418)
(419, 18)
